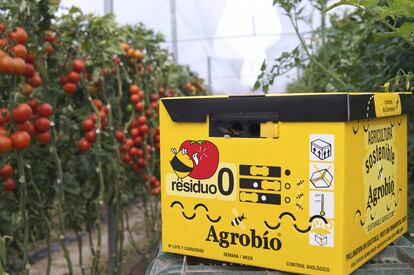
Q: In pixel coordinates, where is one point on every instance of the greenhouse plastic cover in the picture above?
(237, 35)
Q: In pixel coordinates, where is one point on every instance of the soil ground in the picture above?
(134, 263)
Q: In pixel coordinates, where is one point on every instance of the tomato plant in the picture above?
(79, 127)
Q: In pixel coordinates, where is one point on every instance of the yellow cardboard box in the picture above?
(307, 183)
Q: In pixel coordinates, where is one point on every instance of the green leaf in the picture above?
(406, 30)
(256, 85)
(343, 3)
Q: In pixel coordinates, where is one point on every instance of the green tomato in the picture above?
(129, 108)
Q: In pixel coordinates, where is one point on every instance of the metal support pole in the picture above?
(174, 30)
(210, 85)
(108, 6)
(110, 214)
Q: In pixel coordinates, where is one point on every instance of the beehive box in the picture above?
(306, 183)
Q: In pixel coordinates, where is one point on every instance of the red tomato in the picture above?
(133, 89)
(153, 180)
(6, 65)
(69, 88)
(20, 35)
(44, 110)
(19, 66)
(98, 104)
(119, 136)
(134, 132)
(49, 48)
(137, 140)
(20, 140)
(154, 105)
(36, 81)
(148, 113)
(124, 148)
(134, 151)
(127, 159)
(78, 65)
(205, 157)
(129, 142)
(5, 144)
(141, 94)
(9, 185)
(154, 97)
(90, 136)
(142, 120)
(141, 162)
(50, 37)
(87, 124)
(19, 50)
(139, 106)
(42, 124)
(44, 138)
(134, 98)
(73, 77)
(29, 70)
(84, 145)
(6, 171)
(22, 113)
(143, 129)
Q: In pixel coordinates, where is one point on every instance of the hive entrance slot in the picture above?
(240, 125)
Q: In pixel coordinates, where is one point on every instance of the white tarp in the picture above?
(236, 34)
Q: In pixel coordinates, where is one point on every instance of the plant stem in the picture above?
(79, 240)
(61, 202)
(23, 211)
(333, 75)
(46, 221)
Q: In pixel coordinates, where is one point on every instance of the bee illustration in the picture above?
(238, 220)
(182, 163)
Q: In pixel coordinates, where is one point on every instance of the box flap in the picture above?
(328, 107)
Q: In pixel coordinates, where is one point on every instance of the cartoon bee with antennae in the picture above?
(197, 159)
(182, 163)
(238, 219)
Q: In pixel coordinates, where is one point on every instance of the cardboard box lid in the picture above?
(327, 107)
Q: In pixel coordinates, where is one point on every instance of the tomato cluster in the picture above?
(16, 60)
(29, 120)
(6, 173)
(90, 128)
(194, 87)
(133, 150)
(50, 40)
(152, 184)
(131, 52)
(69, 81)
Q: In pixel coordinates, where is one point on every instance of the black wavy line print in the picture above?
(365, 129)
(397, 199)
(358, 212)
(295, 225)
(353, 129)
(194, 209)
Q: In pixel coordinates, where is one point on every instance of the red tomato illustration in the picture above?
(205, 157)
